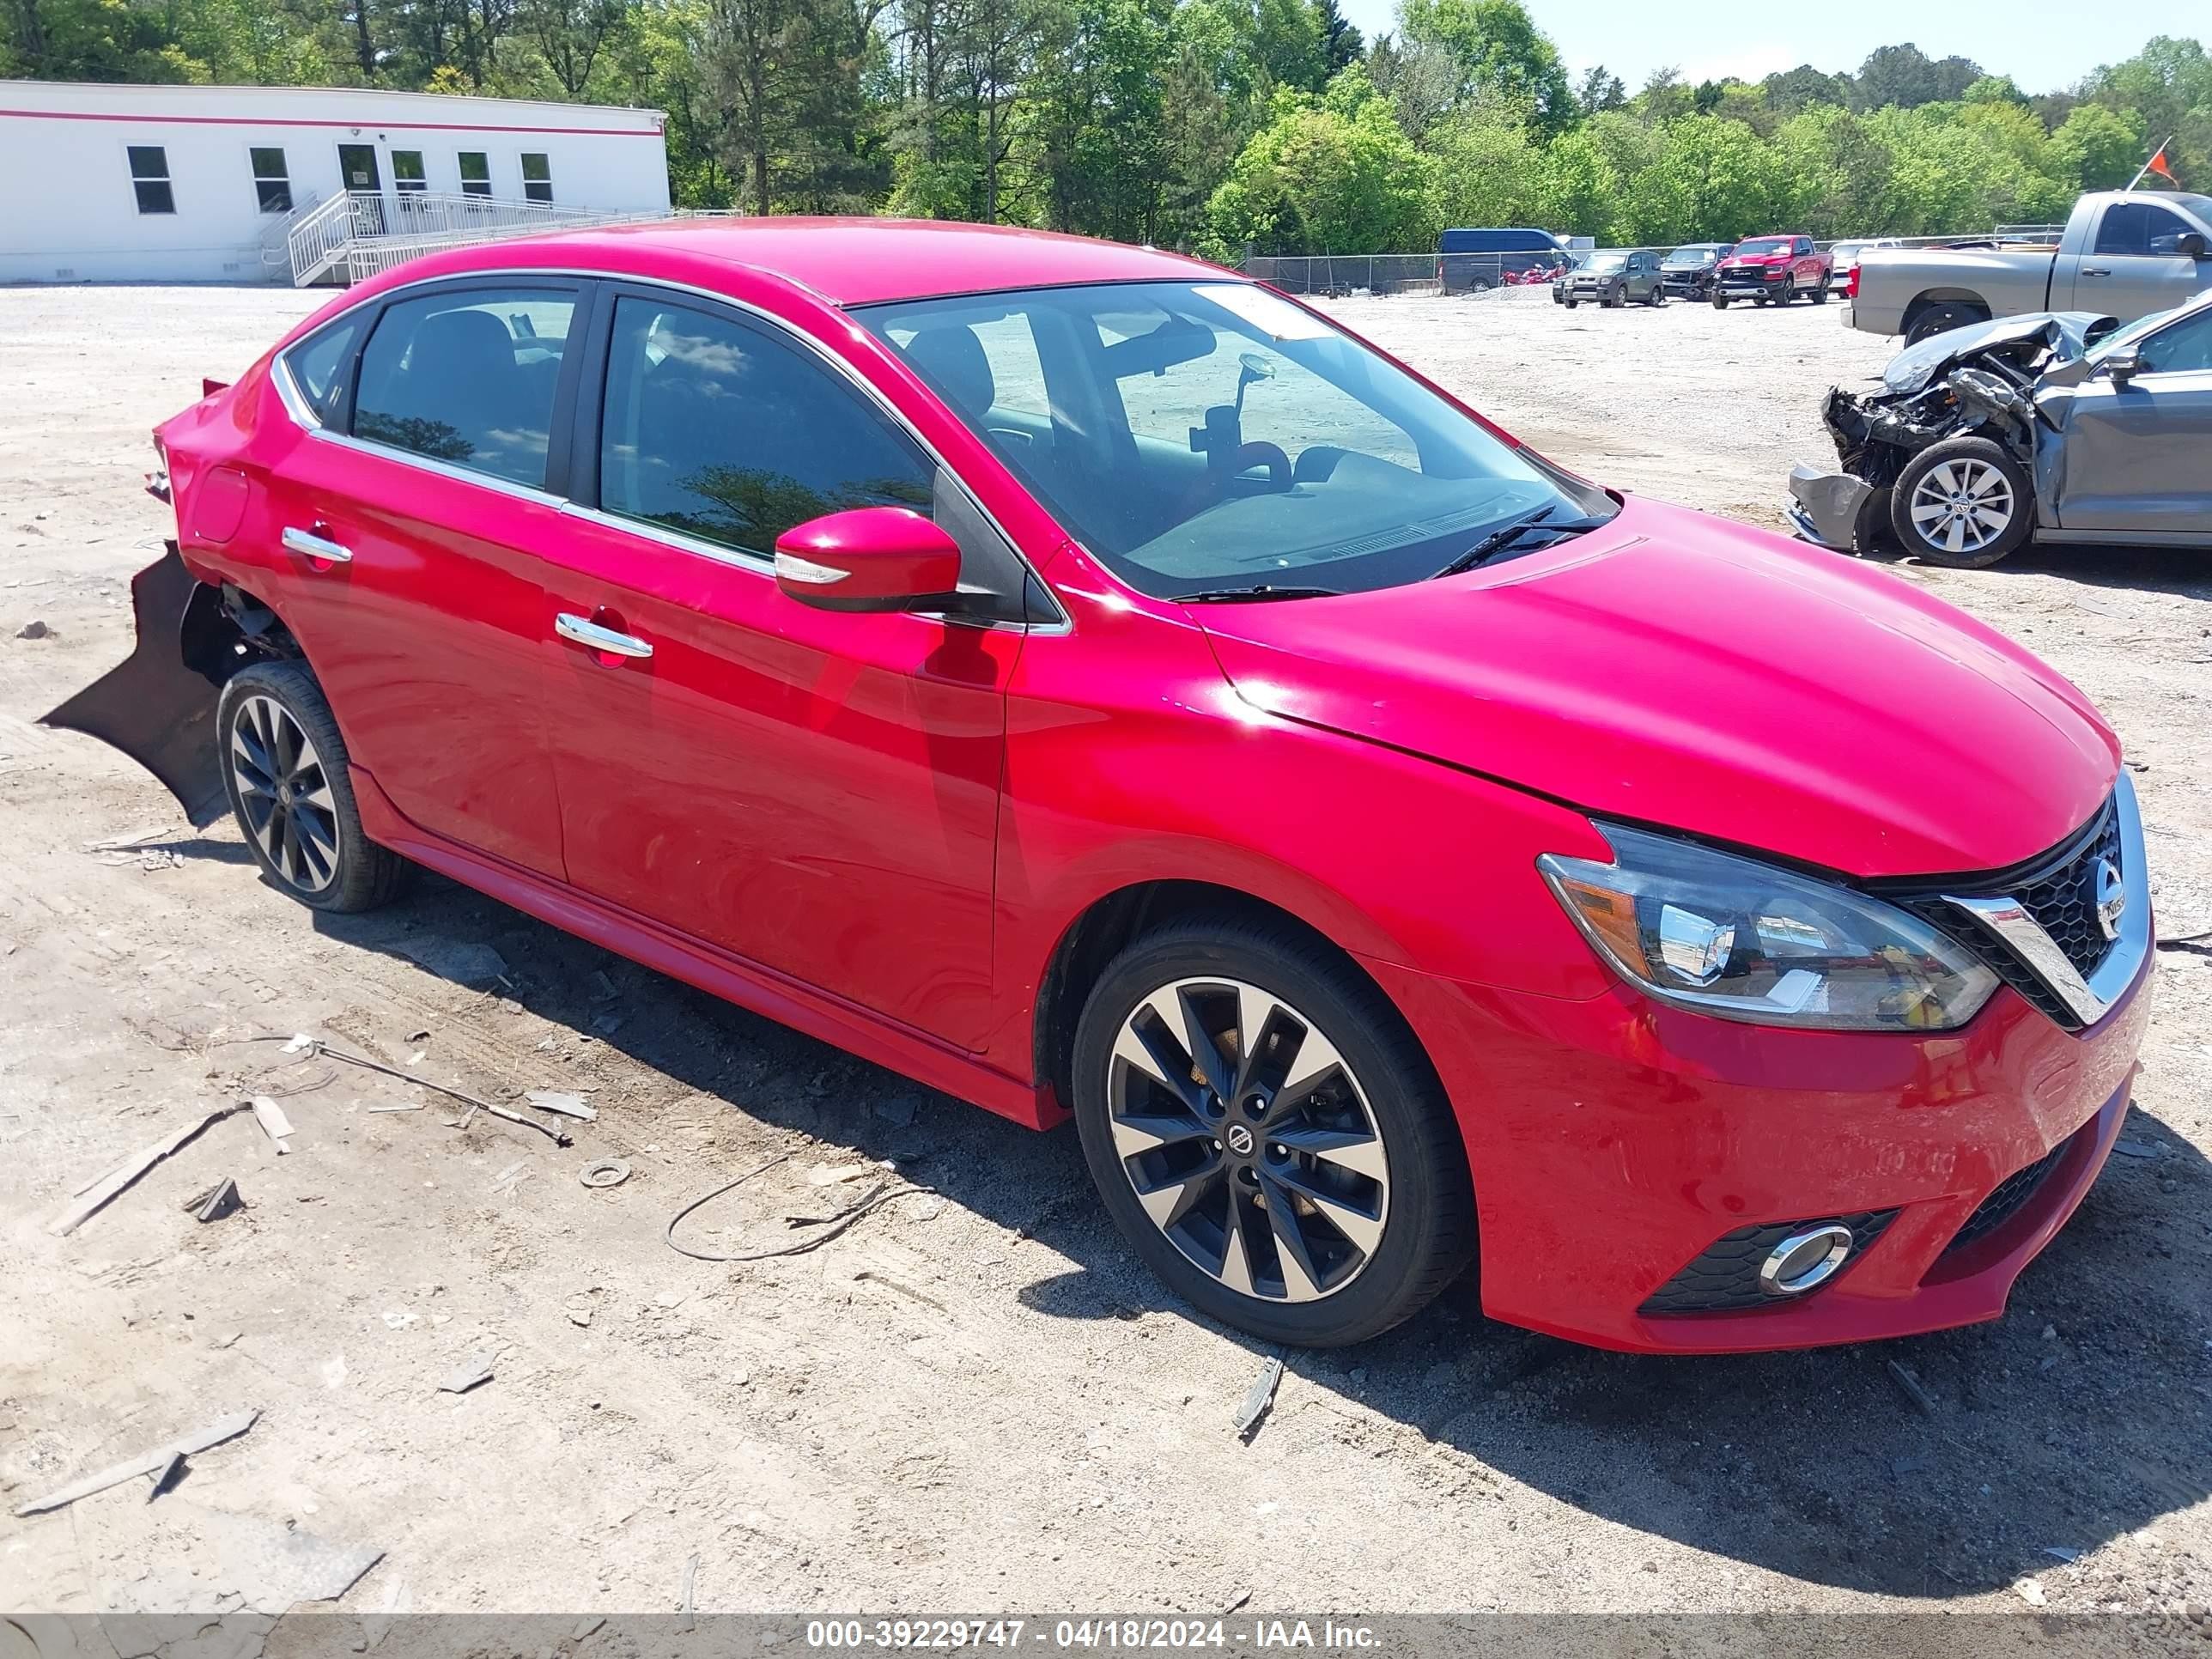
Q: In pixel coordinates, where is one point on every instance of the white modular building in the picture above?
(174, 184)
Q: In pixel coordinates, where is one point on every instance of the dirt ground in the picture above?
(974, 1400)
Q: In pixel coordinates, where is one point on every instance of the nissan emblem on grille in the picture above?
(2111, 898)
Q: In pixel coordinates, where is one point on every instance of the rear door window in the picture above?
(719, 431)
(469, 377)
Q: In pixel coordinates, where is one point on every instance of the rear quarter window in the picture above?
(317, 367)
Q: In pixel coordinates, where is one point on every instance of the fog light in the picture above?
(1806, 1261)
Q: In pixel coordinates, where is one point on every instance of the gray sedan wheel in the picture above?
(1965, 502)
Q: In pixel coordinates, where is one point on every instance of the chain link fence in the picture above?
(1337, 276)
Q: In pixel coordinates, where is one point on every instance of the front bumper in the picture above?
(1830, 507)
(1613, 1141)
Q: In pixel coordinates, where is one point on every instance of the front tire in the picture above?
(284, 770)
(1720, 302)
(1965, 503)
(1268, 1133)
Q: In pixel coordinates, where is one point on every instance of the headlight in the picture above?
(1743, 940)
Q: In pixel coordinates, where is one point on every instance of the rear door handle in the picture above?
(584, 631)
(308, 544)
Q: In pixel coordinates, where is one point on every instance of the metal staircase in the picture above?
(356, 234)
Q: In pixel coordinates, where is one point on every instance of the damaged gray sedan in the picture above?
(2058, 426)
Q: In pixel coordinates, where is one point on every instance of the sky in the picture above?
(2041, 44)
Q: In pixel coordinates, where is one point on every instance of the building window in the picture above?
(271, 182)
(407, 175)
(476, 173)
(149, 177)
(537, 176)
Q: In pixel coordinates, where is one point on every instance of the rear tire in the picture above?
(1339, 1105)
(1656, 297)
(1942, 320)
(1965, 503)
(284, 769)
(1819, 295)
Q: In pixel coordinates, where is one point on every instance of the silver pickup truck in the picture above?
(2124, 254)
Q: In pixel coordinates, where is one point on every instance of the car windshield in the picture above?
(1771, 245)
(1689, 256)
(1194, 435)
(1606, 262)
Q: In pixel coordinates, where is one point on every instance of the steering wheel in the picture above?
(1273, 457)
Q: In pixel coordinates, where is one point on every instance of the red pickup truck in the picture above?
(1773, 270)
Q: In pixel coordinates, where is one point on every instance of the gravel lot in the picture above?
(974, 1400)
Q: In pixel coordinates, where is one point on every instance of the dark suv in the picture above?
(1688, 271)
(1613, 278)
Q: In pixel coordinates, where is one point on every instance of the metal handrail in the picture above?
(366, 230)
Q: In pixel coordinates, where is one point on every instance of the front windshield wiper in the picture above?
(1506, 534)
(1258, 592)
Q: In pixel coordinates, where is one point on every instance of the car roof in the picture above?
(848, 262)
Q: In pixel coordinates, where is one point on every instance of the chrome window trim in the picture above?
(296, 406)
(2088, 1000)
(531, 493)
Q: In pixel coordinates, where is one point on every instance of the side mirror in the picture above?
(2124, 365)
(2193, 243)
(870, 558)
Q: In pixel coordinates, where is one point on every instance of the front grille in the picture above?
(2005, 1200)
(2065, 900)
(2059, 890)
(1725, 1276)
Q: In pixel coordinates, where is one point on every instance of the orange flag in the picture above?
(2157, 164)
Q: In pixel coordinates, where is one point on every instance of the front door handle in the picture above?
(2096, 270)
(308, 544)
(584, 631)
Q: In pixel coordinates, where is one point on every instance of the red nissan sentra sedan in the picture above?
(1089, 682)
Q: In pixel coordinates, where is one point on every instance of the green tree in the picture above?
(1710, 179)
(1487, 165)
(1498, 49)
(2167, 86)
(1600, 89)
(1799, 88)
(1341, 44)
(1331, 175)
(1905, 77)
(2095, 150)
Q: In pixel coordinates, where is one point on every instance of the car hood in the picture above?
(1754, 259)
(1680, 671)
(2069, 333)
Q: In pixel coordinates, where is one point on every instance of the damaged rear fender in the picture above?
(158, 706)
